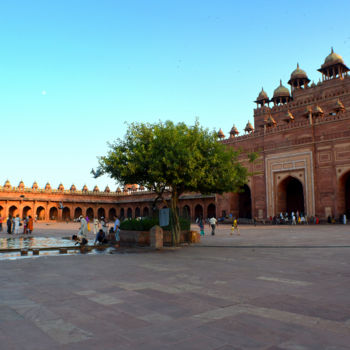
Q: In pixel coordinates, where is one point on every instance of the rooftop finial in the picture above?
(332, 50)
(280, 82)
(297, 64)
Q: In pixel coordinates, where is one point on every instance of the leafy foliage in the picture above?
(145, 224)
(172, 159)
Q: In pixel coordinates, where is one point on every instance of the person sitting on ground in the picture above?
(100, 237)
(80, 240)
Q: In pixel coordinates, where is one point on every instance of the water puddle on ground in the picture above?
(28, 243)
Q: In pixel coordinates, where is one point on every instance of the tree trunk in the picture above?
(175, 220)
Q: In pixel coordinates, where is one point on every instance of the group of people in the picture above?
(15, 222)
(293, 218)
(213, 223)
(102, 235)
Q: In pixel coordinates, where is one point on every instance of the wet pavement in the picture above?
(272, 287)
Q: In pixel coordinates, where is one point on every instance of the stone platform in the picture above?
(272, 287)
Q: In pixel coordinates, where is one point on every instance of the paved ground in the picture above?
(278, 287)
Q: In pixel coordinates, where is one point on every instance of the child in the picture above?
(235, 226)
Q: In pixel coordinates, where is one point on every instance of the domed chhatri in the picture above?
(73, 188)
(60, 187)
(85, 188)
(221, 135)
(107, 190)
(35, 186)
(262, 98)
(249, 127)
(48, 186)
(333, 67)
(119, 190)
(21, 185)
(7, 184)
(281, 95)
(96, 189)
(298, 78)
(233, 132)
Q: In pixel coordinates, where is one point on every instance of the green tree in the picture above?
(171, 159)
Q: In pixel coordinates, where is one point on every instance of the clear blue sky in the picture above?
(73, 72)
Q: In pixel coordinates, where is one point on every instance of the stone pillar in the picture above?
(156, 237)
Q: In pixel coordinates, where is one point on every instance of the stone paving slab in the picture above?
(225, 293)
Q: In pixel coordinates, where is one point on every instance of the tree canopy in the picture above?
(174, 158)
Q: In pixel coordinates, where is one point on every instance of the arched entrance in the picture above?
(112, 213)
(290, 196)
(1, 210)
(122, 213)
(245, 203)
(101, 213)
(66, 214)
(145, 211)
(40, 213)
(186, 212)
(344, 195)
(13, 211)
(53, 213)
(137, 212)
(129, 213)
(90, 213)
(77, 213)
(26, 211)
(198, 211)
(347, 197)
(211, 210)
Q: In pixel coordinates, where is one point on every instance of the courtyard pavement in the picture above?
(272, 287)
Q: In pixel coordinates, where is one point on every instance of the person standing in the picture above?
(17, 222)
(213, 222)
(104, 225)
(9, 224)
(116, 223)
(30, 224)
(201, 225)
(83, 227)
(95, 226)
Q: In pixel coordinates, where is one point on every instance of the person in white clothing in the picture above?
(17, 222)
(95, 226)
(83, 227)
(212, 222)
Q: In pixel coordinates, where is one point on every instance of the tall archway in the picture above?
(53, 213)
(40, 213)
(245, 203)
(77, 212)
(101, 213)
(211, 210)
(137, 212)
(90, 213)
(290, 196)
(145, 211)
(26, 211)
(129, 213)
(1, 210)
(66, 214)
(344, 195)
(347, 197)
(122, 213)
(186, 212)
(13, 211)
(198, 211)
(112, 213)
